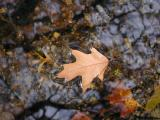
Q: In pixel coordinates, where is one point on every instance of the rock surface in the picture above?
(126, 31)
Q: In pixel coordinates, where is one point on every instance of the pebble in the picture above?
(63, 115)
(39, 114)
(49, 111)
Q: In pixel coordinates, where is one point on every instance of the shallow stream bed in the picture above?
(127, 32)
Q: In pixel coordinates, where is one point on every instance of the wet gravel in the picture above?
(127, 32)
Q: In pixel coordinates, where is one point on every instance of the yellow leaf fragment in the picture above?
(154, 100)
(88, 66)
(43, 60)
(3, 10)
(56, 35)
(68, 2)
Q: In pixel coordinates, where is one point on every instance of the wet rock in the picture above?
(150, 6)
(5, 2)
(142, 49)
(39, 114)
(107, 38)
(55, 98)
(113, 29)
(129, 84)
(5, 92)
(128, 7)
(30, 118)
(95, 19)
(97, 108)
(91, 95)
(64, 96)
(103, 14)
(50, 111)
(152, 25)
(133, 61)
(128, 30)
(60, 115)
(133, 26)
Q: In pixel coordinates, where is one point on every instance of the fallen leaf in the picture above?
(122, 98)
(119, 94)
(56, 35)
(68, 2)
(156, 112)
(43, 60)
(80, 116)
(3, 10)
(88, 66)
(154, 100)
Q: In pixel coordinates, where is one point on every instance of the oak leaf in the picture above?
(88, 66)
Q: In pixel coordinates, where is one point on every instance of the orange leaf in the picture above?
(80, 116)
(118, 94)
(122, 98)
(88, 66)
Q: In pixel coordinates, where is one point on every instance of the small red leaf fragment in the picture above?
(81, 116)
